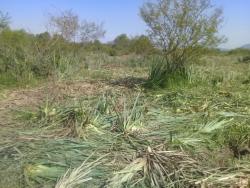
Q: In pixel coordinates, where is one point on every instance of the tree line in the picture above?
(178, 31)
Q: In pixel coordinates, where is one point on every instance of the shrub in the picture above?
(164, 73)
(142, 45)
(239, 51)
(181, 29)
(245, 59)
(237, 138)
(25, 57)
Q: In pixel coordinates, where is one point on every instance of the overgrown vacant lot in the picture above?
(109, 131)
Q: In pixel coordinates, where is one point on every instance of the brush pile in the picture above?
(134, 141)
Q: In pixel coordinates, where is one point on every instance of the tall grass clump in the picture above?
(164, 73)
(72, 121)
(129, 118)
(25, 57)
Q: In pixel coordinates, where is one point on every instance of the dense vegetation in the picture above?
(26, 58)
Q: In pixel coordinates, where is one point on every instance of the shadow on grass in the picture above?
(129, 82)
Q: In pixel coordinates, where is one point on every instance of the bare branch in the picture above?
(90, 31)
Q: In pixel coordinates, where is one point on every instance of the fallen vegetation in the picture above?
(165, 138)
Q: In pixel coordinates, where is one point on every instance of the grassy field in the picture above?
(100, 127)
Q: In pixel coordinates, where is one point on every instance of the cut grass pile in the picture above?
(151, 141)
(187, 136)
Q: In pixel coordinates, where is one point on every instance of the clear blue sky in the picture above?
(120, 16)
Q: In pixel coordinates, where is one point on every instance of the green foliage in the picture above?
(195, 136)
(237, 138)
(25, 57)
(180, 28)
(185, 136)
(239, 51)
(14, 56)
(245, 59)
(122, 44)
(98, 47)
(142, 46)
(129, 119)
(164, 73)
(72, 121)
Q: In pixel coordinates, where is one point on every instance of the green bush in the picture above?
(164, 73)
(25, 57)
(142, 46)
(239, 51)
(237, 138)
(245, 59)
(122, 44)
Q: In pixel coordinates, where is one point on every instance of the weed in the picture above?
(163, 73)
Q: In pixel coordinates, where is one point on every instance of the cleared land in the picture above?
(194, 134)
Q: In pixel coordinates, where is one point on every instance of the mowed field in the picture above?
(100, 127)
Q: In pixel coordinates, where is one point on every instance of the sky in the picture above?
(120, 16)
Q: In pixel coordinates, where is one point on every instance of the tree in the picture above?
(122, 44)
(4, 20)
(45, 36)
(68, 25)
(182, 27)
(91, 31)
(65, 24)
(142, 45)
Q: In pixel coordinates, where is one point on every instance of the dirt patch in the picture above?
(32, 97)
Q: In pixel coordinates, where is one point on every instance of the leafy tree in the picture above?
(142, 45)
(122, 44)
(15, 39)
(181, 27)
(43, 36)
